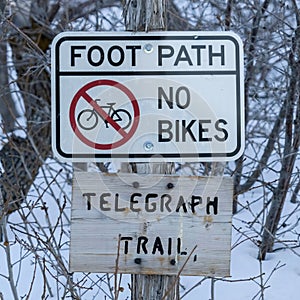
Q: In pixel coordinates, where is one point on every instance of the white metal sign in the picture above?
(151, 224)
(136, 96)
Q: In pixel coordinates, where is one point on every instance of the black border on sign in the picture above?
(58, 74)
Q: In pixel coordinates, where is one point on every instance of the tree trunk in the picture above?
(21, 157)
(146, 15)
(250, 66)
(8, 109)
(291, 147)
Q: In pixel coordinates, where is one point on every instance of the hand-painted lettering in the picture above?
(152, 203)
(213, 204)
(181, 204)
(126, 240)
(88, 199)
(152, 246)
(104, 202)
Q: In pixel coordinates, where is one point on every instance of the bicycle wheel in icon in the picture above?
(123, 118)
(87, 119)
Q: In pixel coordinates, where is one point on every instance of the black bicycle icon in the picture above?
(88, 119)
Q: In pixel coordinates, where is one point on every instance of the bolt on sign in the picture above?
(151, 224)
(164, 96)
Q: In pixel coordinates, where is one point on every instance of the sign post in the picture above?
(149, 97)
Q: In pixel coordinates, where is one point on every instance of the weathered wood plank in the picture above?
(155, 237)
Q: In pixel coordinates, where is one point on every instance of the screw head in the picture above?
(148, 146)
(148, 48)
(173, 262)
(138, 261)
(170, 185)
(135, 184)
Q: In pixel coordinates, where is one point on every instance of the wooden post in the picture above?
(150, 287)
(147, 15)
(80, 166)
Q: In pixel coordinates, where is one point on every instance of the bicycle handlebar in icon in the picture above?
(88, 119)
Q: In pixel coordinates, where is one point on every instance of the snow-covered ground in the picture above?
(276, 278)
(279, 274)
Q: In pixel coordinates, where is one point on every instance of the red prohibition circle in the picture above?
(125, 135)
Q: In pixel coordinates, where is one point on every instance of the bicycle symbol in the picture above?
(88, 119)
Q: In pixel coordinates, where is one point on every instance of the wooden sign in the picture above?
(151, 224)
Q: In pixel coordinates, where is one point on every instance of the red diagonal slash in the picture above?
(103, 114)
(82, 94)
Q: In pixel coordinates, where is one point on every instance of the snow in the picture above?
(279, 273)
(280, 276)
